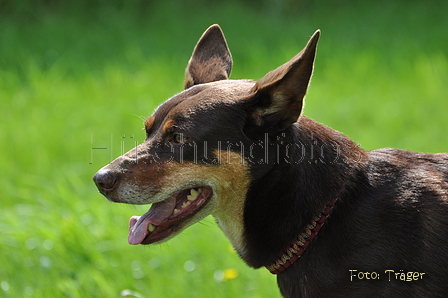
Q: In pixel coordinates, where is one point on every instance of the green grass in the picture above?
(73, 80)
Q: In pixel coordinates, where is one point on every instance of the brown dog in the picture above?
(241, 151)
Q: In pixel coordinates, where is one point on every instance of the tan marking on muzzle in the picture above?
(229, 180)
(147, 183)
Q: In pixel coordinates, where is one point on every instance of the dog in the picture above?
(292, 195)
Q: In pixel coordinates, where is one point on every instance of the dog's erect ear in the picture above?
(211, 60)
(278, 96)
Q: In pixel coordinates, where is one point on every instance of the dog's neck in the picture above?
(284, 201)
(295, 250)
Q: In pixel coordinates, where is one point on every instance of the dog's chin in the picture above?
(168, 218)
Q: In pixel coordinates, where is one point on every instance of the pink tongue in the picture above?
(138, 225)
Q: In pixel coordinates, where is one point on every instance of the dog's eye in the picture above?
(179, 138)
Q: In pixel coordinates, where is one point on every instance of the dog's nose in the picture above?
(105, 180)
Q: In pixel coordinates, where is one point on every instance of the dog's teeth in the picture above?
(185, 204)
(194, 192)
(193, 195)
(151, 227)
(176, 211)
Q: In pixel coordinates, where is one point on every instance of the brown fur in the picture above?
(168, 126)
(242, 151)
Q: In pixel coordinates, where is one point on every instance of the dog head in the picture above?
(205, 145)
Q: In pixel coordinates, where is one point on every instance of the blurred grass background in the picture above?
(76, 75)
